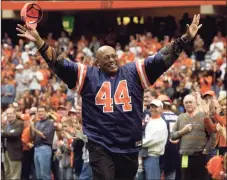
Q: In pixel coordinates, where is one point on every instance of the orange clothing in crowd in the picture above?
(205, 84)
(51, 42)
(26, 138)
(221, 142)
(7, 73)
(222, 121)
(80, 42)
(55, 100)
(127, 57)
(187, 62)
(46, 75)
(7, 52)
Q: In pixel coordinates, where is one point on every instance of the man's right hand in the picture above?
(30, 34)
(187, 129)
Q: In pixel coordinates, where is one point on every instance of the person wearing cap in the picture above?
(195, 140)
(148, 96)
(170, 161)
(208, 95)
(155, 139)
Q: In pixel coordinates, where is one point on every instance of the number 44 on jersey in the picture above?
(121, 96)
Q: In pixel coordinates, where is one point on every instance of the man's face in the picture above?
(42, 113)
(189, 104)
(155, 110)
(147, 98)
(108, 60)
(11, 115)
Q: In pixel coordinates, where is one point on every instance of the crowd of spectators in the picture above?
(30, 89)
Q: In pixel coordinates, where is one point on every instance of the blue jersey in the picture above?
(170, 119)
(170, 160)
(111, 106)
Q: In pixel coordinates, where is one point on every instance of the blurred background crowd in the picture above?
(30, 88)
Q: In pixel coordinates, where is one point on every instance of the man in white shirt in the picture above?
(25, 54)
(156, 135)
(21, 81)
(216, 48)
(136, 50)
(35, 78)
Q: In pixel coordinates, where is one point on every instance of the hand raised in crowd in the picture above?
(202, 105)
(221, 130)
(205, 107)
(215, 107)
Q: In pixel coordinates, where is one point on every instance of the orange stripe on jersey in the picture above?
(82, 79)
(140, 67)
(82, 70)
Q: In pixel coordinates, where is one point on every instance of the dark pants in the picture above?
(196, 169)
(2, 171)
(28, 164)
(55, 166)
(222, 150)
(111, 166)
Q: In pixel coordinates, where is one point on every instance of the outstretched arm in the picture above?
(154, 66)
(71, 73)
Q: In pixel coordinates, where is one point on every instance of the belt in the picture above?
(42, 144)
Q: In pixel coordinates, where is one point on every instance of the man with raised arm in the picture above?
(112, 99)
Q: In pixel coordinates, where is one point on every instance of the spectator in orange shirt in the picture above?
(127, 56)
(82, 41)
(46, 74)
(56, 97)
(205, 82)
(221, 119)
(50, 39)
(7, 51)
(186, 61)
(157, 43)
(7, 71)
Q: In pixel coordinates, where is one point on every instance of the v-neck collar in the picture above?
(193, 114)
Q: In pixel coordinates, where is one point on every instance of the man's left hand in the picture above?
(193, 28)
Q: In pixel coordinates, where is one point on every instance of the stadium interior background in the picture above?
(160, 21)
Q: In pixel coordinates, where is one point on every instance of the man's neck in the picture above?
(193, 113)
(43, 119)
(155, 116)
(11, 122)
